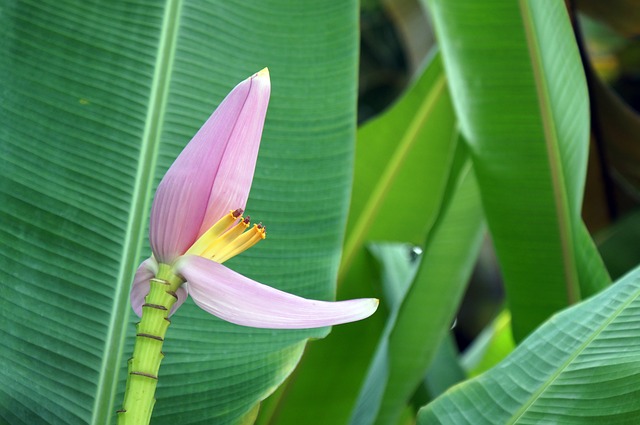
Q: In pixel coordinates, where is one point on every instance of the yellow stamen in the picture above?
(241, 243)
(214, 232)
(225, 239)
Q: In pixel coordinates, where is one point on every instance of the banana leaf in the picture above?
(519, 91)
(580, 367)
(96, 100)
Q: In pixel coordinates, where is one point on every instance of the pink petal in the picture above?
(146, 271)
(233, 181)
(213, 173)
(240, 300)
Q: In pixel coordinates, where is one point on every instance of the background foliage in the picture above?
(515, 130)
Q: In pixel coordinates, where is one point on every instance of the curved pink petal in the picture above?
(240, 300)
(233, 180)
(140, 288)
(201, 185)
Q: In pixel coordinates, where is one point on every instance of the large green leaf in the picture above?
(518, 87)
(96, 100)
(581, 366)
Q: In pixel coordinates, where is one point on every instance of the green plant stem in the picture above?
(142, 376)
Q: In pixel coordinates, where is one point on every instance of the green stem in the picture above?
(147, 353)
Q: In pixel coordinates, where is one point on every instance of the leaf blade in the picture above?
(76, 94)
(448, 259)
(420, 125)
(519, 90)
(577, 352)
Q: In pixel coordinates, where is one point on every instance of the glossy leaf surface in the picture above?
(519, 90)
(579, 367)
(97, 100)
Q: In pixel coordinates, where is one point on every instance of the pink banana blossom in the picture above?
(197, 224)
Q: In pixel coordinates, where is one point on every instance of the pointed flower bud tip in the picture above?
(263, 73)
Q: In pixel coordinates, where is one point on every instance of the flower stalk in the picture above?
(144, 365)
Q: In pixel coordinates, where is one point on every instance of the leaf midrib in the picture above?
(553, 156)
(106, 386)
(536, 395)
(551, 141)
